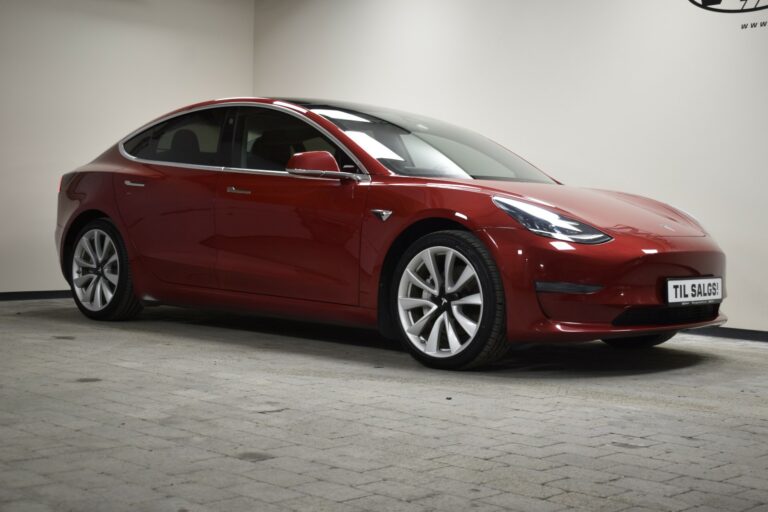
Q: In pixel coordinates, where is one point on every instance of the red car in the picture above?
(366, 216)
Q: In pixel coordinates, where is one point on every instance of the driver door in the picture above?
(283, 235)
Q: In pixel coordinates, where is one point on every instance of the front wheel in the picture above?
(99, 274)
(640, 342)
(448, 300)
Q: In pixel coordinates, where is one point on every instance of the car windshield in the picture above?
(419, 146)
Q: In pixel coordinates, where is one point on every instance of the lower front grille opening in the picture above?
(664, 315)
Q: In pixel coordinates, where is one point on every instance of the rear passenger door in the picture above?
(166, 193)
(280, 234)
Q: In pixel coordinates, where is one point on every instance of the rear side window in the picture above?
(194, 138)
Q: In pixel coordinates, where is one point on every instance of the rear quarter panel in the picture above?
(89, 189)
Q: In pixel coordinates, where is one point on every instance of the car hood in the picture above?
(611, 212)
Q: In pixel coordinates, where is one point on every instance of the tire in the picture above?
(99, 274)
(640, 342)
(435, 323)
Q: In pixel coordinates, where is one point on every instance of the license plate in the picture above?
(695, 291)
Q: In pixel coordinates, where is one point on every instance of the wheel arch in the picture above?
(396, 249)
(78, 223)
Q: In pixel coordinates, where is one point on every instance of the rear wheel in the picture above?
(640, 342)
(99, 274)
(448, 301)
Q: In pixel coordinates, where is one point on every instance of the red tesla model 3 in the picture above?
(360, 215)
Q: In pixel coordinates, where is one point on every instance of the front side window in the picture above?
(267, 139)
(418, 146)
(194, 138)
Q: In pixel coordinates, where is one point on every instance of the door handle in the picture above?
(134, 183)
(235, 190)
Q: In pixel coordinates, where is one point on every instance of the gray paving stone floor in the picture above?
(187, 411)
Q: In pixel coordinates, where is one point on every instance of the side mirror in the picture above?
(317, 164)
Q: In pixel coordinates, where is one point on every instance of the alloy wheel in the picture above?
(95, 270)
(440, 301)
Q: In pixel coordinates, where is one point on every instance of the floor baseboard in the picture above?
(732, 333)
(47, 294)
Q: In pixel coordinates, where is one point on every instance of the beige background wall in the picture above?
(655, 97)
(75, 77)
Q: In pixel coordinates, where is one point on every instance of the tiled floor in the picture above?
(190, 411)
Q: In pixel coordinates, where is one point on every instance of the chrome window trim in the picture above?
(242, 170)
(337, 175)
(358, 177)
(364, 174)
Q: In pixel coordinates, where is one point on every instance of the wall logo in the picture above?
(731, 6)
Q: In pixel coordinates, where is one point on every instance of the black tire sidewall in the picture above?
(123, 284)
(492, 297)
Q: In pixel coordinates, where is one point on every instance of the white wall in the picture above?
(655, 97)
(75, 77)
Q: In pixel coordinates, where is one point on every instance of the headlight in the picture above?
(550, 224)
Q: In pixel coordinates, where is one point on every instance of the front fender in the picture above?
(413, 201)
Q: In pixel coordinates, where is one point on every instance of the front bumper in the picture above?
(629, 275)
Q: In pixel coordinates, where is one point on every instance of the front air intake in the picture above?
(666, 315)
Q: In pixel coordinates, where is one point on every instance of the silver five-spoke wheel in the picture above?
(95, 269)
(440, 301)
